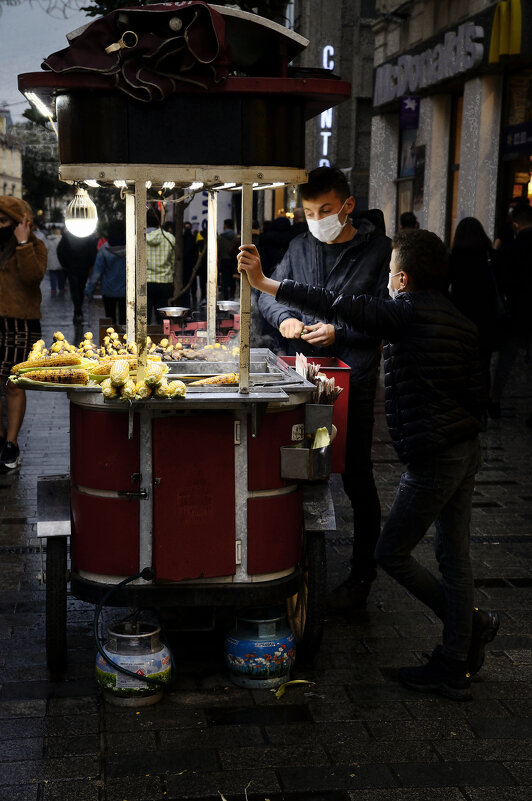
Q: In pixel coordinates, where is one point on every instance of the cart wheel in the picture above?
(56, 606)
(306, 609)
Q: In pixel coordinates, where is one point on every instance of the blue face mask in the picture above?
(393, 292)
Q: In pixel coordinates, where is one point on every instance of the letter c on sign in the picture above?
(328, 57)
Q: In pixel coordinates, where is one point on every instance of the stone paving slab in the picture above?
(355, 734)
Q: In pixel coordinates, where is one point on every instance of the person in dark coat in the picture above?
(110, 270)
(474, 289)
(434, 400)
(76, 256)
(343, 256)
(516, 276)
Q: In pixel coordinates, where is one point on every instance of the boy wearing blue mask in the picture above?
(350, 255)
(435, 397)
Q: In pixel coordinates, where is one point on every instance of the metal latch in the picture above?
(141, 494)
(238, 552)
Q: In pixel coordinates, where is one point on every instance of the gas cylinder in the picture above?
(260, 650)
(135, 646)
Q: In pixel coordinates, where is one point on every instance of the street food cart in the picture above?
(192, 499)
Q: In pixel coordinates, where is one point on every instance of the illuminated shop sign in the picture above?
(459, 52)
(326, 117)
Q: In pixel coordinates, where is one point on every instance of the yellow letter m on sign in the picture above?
(506, 30)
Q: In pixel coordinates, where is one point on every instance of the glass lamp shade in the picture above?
(81, 217)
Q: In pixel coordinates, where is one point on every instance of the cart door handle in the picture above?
(139, 494)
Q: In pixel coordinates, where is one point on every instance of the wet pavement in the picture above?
(355, 734)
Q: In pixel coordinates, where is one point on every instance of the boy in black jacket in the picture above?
(434, 401)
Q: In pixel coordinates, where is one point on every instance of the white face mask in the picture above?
(393, 292)
(328, 228)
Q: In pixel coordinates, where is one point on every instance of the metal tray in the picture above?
(175, 312)
(229, 305)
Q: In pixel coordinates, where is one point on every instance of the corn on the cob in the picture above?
(58, 360)
(216, 380)
(177, 389)
(142, 390)
(161, 389)
(119, 372)
(57, 376)
(154, 373)
(128, 390)
(108, 391)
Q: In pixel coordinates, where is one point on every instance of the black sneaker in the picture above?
(485, 627)
(441, 674)
(10, 457)
(351, 594)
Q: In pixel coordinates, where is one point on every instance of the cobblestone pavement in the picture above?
(355, 734)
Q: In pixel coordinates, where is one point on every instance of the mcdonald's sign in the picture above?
(506, 31)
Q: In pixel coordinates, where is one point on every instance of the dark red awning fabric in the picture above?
(177, 43)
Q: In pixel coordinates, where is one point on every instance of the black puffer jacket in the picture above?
(434, 390)
(361, 267)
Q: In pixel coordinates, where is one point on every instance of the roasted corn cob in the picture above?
(177, 389)
(57, 376)
(142, 390)
(59, 360)
(216, 380)
(108, 391)
(128, 390)
(119, 372)
(154, 373)
(160, 390)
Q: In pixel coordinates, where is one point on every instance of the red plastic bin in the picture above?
(340, 371)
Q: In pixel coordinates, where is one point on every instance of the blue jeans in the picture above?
(437, 489)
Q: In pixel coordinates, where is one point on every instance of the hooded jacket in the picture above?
(361, 267)
(435, 395)
(21, 268)
(110, 266)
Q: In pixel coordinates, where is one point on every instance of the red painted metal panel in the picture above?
(264, 455)
(105, 534)
(194, 502)
(101, 455)
(340, 371)
(275, 527)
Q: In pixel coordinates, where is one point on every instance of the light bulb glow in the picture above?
(39, 105)
(81, 217)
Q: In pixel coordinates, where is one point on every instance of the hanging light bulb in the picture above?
(81, 217)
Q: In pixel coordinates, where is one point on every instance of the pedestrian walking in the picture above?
(22, 268)
(227, 245)
(474, 288)
(56, 274)
(340, 257)
(76, 256)
(516, 275)
(434, 401)
(160, 257)
(110, 269)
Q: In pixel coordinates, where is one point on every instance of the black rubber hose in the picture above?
(146, 574)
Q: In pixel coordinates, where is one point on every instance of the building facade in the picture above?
(452, 111)
(10, 159)
(342, 41)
